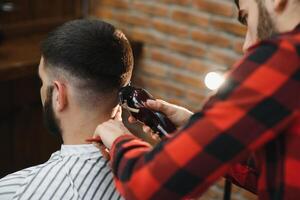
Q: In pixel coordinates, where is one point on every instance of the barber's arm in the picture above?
(246, 113)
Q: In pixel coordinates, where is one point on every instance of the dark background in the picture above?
(24, 23)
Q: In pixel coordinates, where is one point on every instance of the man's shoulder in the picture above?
(19, 176)
(12, 183)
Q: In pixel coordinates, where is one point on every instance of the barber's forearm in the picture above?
(119, 153)
(212, 141)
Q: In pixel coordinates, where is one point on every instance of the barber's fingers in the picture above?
(155, 137)
(118, 115)
(160, 105)
(132, 119)
(156, 105)
(104, 151)
(150, 132)
(147, 129)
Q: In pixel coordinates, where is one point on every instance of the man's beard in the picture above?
(266, 27)
(50, 120)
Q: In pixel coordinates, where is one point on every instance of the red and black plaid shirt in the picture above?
(256, 112)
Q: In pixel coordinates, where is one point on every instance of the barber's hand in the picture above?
(177, 114)
(110, 130)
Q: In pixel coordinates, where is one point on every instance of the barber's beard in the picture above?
(266, 27)
(50, 120)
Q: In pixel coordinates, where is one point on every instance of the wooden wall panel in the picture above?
(24, 139)
(21, 12)
(6, 142)
(37, 14)
(47, 8)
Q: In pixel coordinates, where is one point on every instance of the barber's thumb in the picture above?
(155, 105)
(118, 115)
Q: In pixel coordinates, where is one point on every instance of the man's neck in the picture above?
(289, 22)
(81, 127)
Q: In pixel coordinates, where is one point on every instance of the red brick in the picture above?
(124, 4)
(211, 38)
(188, 17)
(216, 7)
(195, 96)
(125, 29)
(164, 86)
(221, 182)
(146, 37)
(187, 79)
(186, 47)
(238, 46)
(180, 2)
(153, 69)
(223, 57)
(248, 195)
(153, 90)
(228, 26)
(198, 66)
(236, 189)
(150, 8)
(103, 12)
(167, 27)
(132, 19)
(211, 194)
(166, 57)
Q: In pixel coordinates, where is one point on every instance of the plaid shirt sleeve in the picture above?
(255, 104)
(244, 174)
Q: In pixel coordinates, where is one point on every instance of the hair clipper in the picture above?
(134, 100)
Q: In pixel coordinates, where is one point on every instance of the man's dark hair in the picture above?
(93, 51)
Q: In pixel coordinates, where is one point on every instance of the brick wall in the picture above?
(183, 40)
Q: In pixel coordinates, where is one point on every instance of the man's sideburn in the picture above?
(50, 120)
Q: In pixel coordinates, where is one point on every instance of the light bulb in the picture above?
(213, 80)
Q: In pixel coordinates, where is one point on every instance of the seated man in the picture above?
(83, 64)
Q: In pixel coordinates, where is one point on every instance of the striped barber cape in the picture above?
(74, 172)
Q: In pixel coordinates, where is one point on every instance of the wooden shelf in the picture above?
(20, 57)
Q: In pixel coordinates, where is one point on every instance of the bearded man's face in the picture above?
(254, 15)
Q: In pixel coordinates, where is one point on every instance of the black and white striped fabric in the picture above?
(74, 172)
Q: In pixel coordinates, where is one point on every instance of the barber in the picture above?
(255, 113)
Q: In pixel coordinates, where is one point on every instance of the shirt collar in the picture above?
(82, 149)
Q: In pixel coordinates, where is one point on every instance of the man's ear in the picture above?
(280, 5)
(60, 99)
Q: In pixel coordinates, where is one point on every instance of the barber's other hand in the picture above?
(110, 130)
(177, 114)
